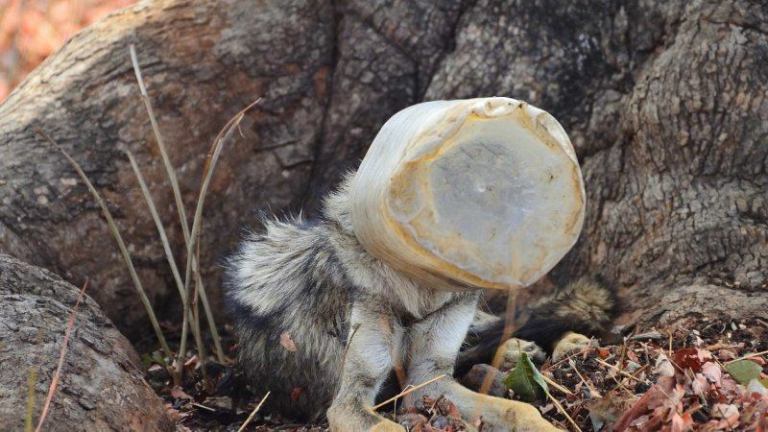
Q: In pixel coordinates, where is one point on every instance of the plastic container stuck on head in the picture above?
(481, 192)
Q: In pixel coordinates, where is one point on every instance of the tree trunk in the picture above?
(101, 385)
(202, 62)
(665, 102)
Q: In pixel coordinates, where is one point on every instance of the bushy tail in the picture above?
(585, 306)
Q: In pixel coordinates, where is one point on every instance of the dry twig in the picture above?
(186, 311)
(63, 352)
(171, 173)
(408, 391)
(120, 244)
(210, 165)
(253, 413)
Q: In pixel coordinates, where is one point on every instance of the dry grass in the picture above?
(191, 237)
(62, 354)
(253, 413)
(31, 383)
(186, 311)
(190, 303)
(120, 243)
(192, 252)
(171, 173)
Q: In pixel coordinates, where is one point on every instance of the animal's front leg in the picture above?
(367, 362)
(433, 346)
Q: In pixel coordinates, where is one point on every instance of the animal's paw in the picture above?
(512, 349)
(387, 426)
(350, 418)
(570, 343)
(504, 415)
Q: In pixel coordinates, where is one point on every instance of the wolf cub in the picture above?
(322, 323)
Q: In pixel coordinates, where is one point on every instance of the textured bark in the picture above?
(203, 62)
(101, 385)
(665, 102)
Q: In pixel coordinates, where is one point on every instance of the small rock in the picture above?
(440, 422)
(411, 421)
(473, 380)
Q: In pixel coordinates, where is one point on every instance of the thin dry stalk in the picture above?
(207, 308)
(622, 372)
(173, 180)
(408, 391)
(196, 312)
(253, 413)
(203, 407)
(557, 386)
(744, 357)
(120, 244)
(62, 353)
(31, 383)
(170, 171)
(210, 165)
(563, 412)
(186, 312)
(509, 326)
(589, 385)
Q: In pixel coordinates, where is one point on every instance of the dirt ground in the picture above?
(690, 377)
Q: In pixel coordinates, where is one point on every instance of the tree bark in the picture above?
(203, 62)
(665, 102)
(101, 385)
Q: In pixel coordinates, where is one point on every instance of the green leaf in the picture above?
(744, 371)
(526, 381)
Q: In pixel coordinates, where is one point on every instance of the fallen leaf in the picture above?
(757, 359)
(756, 386)
(691, 358)
(726, 354)
(287, 342)
(744, 371)
(700, 385)
(603, 353)
(712, 372)
(729, 413)
(681, 423)
(663, 366)
(526, 381)
(179, 393)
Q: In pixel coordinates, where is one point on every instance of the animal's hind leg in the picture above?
(367, 363)
(433, 346)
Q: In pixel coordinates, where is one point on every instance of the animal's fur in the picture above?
(583, 306)
(351, 319)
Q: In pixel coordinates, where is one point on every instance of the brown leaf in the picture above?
(713, 372)
(691, 358)
(191, 362)
(700, 385)
(726, 354)
(663, 366)
(681, 423)
(179, 393)
(287, 342)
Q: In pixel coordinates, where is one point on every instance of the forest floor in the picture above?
(700, 375)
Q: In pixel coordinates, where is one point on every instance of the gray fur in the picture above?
(352, 319)
(301, 279)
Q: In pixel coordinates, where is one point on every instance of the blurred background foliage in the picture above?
(30, 30)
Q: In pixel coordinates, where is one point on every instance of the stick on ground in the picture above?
(62, 354)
